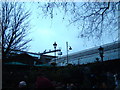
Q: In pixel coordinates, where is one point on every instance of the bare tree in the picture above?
(92, 18)
(15, 26)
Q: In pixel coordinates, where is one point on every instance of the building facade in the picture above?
(111, 52)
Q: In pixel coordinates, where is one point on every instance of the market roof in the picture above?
(15, 63)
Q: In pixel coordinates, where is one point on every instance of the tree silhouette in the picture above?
(93, 19)
(15, 26)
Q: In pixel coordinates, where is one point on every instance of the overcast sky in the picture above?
(46, 31)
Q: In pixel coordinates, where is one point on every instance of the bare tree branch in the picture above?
(15, 25)
(91, 18)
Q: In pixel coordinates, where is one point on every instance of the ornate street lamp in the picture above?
(55, 45)
(101, 52)
(70, 48)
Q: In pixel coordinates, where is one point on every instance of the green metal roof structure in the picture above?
(15, 63)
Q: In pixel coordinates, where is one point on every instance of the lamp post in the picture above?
(101, 52)
(68, 50)
(55, 45)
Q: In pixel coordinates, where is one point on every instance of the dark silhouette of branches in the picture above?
(15, 26)
(92, 18)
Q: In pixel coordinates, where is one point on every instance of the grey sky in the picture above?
(45, 31)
